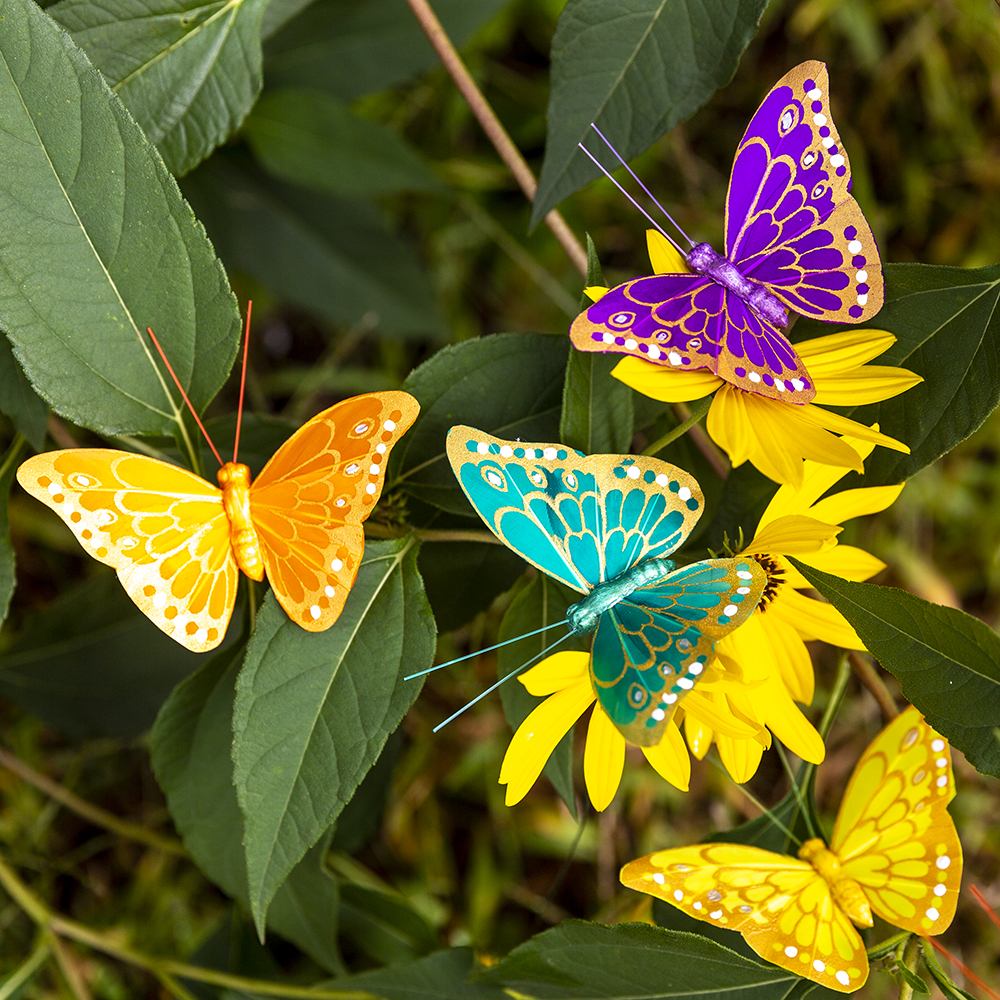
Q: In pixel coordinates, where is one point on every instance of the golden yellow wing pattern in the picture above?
(309, 501)
(782, 906)
(893, 833)
(162, 528)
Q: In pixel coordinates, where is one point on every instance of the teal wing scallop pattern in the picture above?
(650, 649)
(581, 519)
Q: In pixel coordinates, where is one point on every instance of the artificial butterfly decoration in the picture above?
(604, 525)
(894, 851)
(794, 239)
(176, 540)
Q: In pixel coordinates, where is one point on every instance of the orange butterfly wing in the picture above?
(893, 833)
(161, 527)
(308, 503)
(782, 906)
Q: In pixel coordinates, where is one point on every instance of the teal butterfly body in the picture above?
(605, 525)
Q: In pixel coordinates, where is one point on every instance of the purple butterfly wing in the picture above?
(791, 222)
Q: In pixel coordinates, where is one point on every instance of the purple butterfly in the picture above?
(795, 239)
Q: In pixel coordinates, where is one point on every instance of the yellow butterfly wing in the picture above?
(308, 503)
(893, 833)
(782, 906)
(162, 528)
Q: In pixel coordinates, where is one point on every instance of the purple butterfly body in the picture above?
(795, 239)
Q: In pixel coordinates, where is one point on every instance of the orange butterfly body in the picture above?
(178, 542)
(894, 851)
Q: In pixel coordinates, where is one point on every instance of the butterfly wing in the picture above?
(580, 519)
(791, 222)
(893, 833)
(162, 528)
(650, 648)
(310, 499)
(782, 906)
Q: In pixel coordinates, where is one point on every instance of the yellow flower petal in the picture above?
(842, 425)
(870, 384)
(536, 737)
(813, 619)
(791, 657)
(787, 722)
(556, 672)
(840, 352)
(699, 737)
(729, 425)
(846, 561)
(663, 255)
(669, 758)
(854, 503)
(603, 759)
(595, 292)
(793, 535)
(740, 757)
(665, 384)
(712, 710)
(749, 647)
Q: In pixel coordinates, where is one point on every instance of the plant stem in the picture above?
(682, 428)
(12, 453)
(910, 951)
(836, 696)
(868, 676)
(69, 970)
(96, 815)
(494, 130)
(25, 971)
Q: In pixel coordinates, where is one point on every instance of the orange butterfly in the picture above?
(176, 540)
(894, 851)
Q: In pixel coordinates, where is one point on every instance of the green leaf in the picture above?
(362, 816)
(635, 961)
(912, 979)
(597, 414)
(543, 602)
(947, 662)
(507, 384)
(338, 258)
(947, 327)
(385, 927)
(188, 70)
(313, 710)
(635, 69)
(355, 47)
(940, 976)
(7, 575)
(28, 412)
(190, 748)
(310, 138)
(97, 245)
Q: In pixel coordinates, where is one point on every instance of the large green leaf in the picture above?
(947, 662)
(28, 412)
(310, 138)
(338, 258)
(190, 748)
(314, 709)
(635, 68)
(508, 384)
(947, 326)
(354, 47)
(188, 70)
(542, 603)
(633, 962)
(97, 244)
(384, 926)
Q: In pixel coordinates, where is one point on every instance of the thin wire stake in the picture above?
(493, 687)
(649, 193)
(243, 382)
(600, 166)
(184, 395)
(478, 652)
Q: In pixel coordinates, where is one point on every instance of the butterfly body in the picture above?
(894, 852)
(794, 239)
(178, 542)
(604, 525)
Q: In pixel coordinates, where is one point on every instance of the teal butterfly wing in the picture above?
(650, 649)
(581, 519)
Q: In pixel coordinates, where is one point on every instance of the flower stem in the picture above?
(494, 130)
(21, 975)
(910, 951)
(682, 428)
(836, 696)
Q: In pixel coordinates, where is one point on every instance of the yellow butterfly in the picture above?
(177, 541)
(894, 851)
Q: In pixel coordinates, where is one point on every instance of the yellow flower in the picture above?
(773, 435)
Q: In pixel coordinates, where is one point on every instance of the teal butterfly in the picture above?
(604, 525)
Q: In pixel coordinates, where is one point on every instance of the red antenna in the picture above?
(184, 395)
(243, 381)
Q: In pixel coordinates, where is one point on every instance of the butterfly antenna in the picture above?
(184, 395)
(478, 652)
(243, 382)
(507, 677)
(796, 791)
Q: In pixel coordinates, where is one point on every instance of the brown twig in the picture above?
(69, 968)
(57, 431)
(494, 130)
(868, 676)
